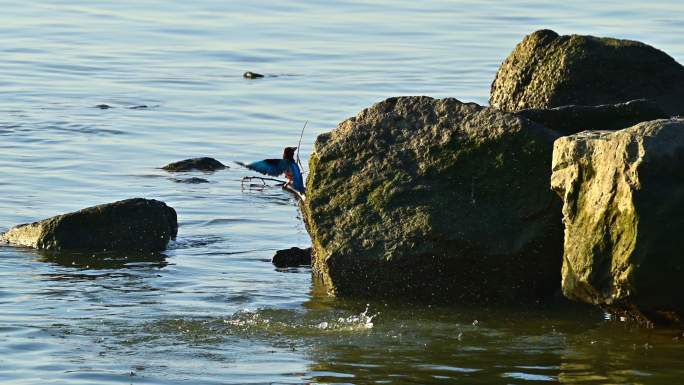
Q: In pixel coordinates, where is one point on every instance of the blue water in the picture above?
(215, 311)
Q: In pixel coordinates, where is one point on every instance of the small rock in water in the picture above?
(252, 75)
(129, 225)
(103, 106)
(201, 164)
(293, 256)
(190, 180)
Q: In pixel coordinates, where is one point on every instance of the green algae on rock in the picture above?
(129, 225)
(438, 199)
(623, 195)
(548, 70)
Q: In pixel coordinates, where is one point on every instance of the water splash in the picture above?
(353, 322)
(297, 323)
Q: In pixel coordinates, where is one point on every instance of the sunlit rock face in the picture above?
(623, 211)
(548, 70)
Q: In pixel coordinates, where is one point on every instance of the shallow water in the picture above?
(212, 309)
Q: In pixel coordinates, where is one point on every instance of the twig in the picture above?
(299, 162)
(262, 179)
(283, 184)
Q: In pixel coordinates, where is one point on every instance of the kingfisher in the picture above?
(275, 167)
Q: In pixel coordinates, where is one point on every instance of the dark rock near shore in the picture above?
(568, 120)
(548, 70)
(252, 75)
(623, 195)
(199, 164)
(134, 224)
(292, 257)
(438, 199)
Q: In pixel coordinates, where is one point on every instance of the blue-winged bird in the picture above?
(275, 167)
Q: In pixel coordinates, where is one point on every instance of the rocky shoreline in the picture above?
(440, 199)
(570, 182)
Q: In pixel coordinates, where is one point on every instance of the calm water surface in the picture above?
(214, 310)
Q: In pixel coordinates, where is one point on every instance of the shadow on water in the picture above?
(102, 260)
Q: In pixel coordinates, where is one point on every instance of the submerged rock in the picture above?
(291, 257)
(623, 210)
(133, 224)
(548, 70)
(572, 119)
(200, 164)
(435, 199)
(190, 180)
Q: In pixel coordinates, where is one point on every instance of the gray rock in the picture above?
(134, 224)
(292, 257)
(623, 210)
(417, 197)
(199, 164)
(568, 120)
(548, 70)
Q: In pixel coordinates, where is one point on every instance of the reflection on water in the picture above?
(102, 260)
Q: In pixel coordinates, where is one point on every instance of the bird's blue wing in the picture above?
(297, 181)
(273, 167)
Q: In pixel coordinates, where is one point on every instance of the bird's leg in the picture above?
(289, 177)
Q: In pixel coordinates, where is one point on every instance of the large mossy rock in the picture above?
(548, 70)
(623, 195)
(130, 225)
(419, 197)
